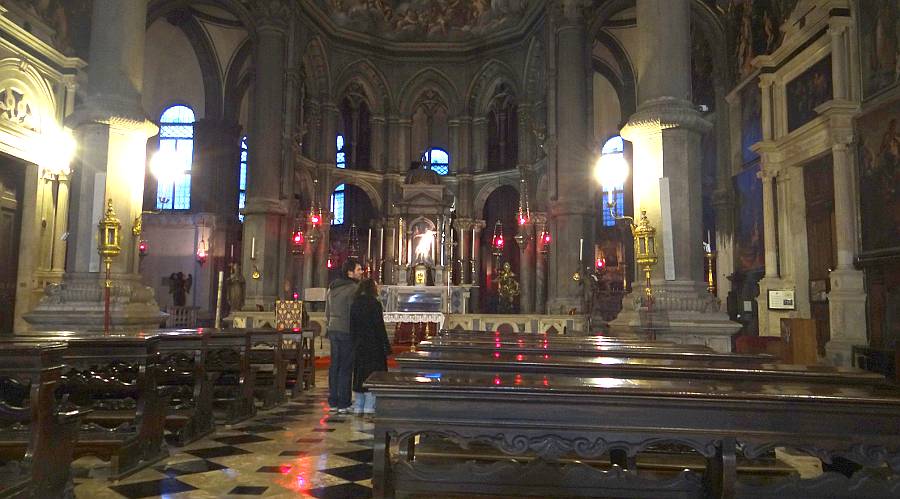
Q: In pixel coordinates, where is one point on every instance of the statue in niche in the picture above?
(235, 287)
(179, 287)
(507, 288)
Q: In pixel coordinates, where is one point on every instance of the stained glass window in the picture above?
(176, 139)
(337, 205)
(341, 160)
(615, 145)
(242, 186)
(439, 161)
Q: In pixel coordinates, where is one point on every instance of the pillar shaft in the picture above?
(664, 56)
(526, 269)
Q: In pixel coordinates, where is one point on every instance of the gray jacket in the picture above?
(337, 305)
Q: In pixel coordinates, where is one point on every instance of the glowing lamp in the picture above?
(611, 171)
(109, 226)
(202, 252)
(143, 247)
(497, 241)
(315, 219)
(601, 263)
(297, 241)
(545, 242)
(330, 263)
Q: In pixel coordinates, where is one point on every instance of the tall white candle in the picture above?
(708, 237)
(381, 243)
(232, 252)
(218, 321)
(369, 246)
(253, 248)
(473, 245)
(580, 250)
(409, 251)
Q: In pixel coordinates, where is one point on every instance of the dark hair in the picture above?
(367, 287)
(348, 266)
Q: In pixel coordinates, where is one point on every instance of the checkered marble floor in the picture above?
(295, 450)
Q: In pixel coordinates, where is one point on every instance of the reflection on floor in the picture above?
(295, 450)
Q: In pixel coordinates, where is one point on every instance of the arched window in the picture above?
(242, 186)
(438, 160)
(176, 138)
(337, 205)
(614, 145)
(341, 159)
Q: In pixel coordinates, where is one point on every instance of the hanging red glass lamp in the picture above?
(202, 252)
(297, 241)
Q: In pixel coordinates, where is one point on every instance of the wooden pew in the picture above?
(629, 367)
(117, 378)
(473, 334)
(228, 359)
(38, 436)
(695, 352)
(183, 359)
(267, 354)
(555, 417)
(300, 366)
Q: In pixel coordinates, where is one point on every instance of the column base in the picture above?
(77, 303)
(682, 312)
(846, 314)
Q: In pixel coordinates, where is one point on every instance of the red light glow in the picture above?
(497, 381)
(601, 263)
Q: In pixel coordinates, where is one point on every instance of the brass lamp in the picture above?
(109, 247)
(612, 171)
(645, 248)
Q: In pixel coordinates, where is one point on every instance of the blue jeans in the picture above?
(364, 402)
(340, 371)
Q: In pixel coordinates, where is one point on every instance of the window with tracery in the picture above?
(176, 140)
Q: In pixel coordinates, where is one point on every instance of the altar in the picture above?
(416, 311)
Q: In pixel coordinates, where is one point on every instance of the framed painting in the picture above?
(879, 45)
(808, 91)
(749, 245)
(879, 178)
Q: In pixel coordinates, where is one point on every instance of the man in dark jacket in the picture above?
(337, 319)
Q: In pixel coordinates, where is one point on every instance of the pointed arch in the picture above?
(428, 79)
(489, 188)
(533, 77)
(481, 89)
(317, 70)
(370, 80)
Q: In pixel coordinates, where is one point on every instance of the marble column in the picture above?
(377, 152)
(60, 225)
(540, 264)
(526, 269)
(476, 228)
(847, 298)
(389, 246)
(479, 145)
(264, 213)
(112, 131)
(322, 250)
(464, 225)
(666, 131)
(571, 215)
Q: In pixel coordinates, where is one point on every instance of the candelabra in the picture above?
(109, 247)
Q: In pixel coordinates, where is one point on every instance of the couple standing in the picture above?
(359, 344)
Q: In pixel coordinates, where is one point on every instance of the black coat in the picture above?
(370, 342)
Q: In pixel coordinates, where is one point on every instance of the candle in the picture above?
(253, 248)
(369, 246)
(473, 245)
(409, 252)
(232, 252)
(381, 243)
(708, 237)
(434, 241)
(580, 250)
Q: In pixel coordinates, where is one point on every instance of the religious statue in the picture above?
(179, 287)
(507, 288)
(235, 287)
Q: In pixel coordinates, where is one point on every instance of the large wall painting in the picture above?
(749, 246)
(807, 91)
(879, 160)
(751, 120)
(754, 28)
(879, 44)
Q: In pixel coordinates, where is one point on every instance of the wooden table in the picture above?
(549, 417)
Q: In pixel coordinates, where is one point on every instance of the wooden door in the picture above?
(10, 226)
(818, 181)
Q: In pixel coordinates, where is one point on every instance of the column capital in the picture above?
(569, 12)
(837, 25)
(272, 16)
(659, 114)
(538, 218)
(766, 80)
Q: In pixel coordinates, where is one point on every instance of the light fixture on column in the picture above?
(297, 241)
(315, 215)
(164, 166)
(612, 171)
(109, 247)
(143, 247)
(497, 241)
(545, 241)
(523, 216)
(353, 242)
(202, 251)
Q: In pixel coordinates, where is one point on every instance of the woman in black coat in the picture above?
(370, 343)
